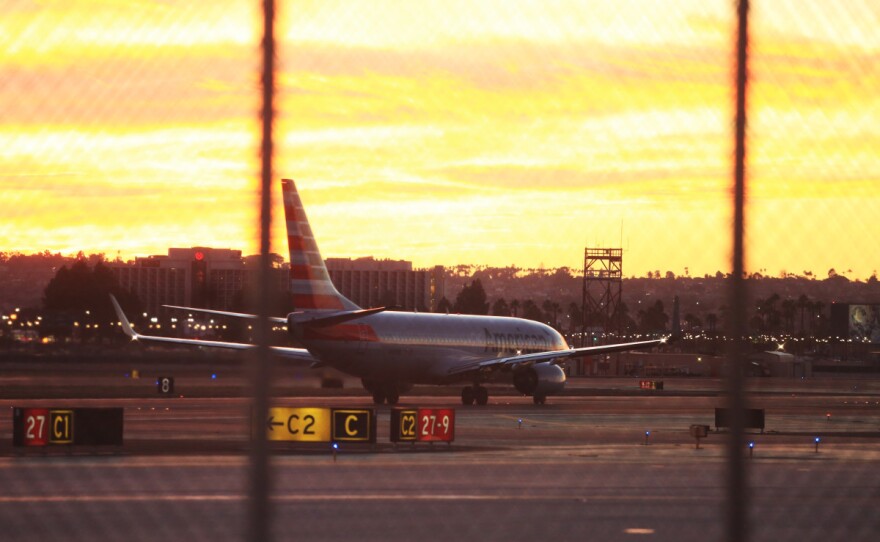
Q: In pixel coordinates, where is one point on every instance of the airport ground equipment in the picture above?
(698, 432)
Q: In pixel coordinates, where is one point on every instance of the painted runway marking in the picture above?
(312, 498)
(639, 531)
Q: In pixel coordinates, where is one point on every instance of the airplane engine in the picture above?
(540, 380)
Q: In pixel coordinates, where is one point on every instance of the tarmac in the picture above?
(605, 461)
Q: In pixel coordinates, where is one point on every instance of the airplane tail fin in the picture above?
(310, 286)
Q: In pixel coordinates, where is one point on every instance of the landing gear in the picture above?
(539, 399)
(467, 396)
(474, 394)
(386, 393)
(482, 395)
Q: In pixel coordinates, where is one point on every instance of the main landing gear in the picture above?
(392, 396)
(474, 394)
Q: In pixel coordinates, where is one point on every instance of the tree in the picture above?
(803, 303)
(472, 299)
(500, 308)
(444, 306)
(551, 311)
(711, 321)
(576, 317)
(692, 321)
(621, 319)
(514, 307)
(789, 307)
(531, 311)
(770, 316)
(653, 320)
(84, 293)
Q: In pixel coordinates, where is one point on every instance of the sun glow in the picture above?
(455, 132)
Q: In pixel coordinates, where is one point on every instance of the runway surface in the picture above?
(578, 468)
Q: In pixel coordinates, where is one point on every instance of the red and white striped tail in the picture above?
(310, 285)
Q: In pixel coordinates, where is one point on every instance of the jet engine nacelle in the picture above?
(542, 379)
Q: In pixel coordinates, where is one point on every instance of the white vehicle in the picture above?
(391, 351)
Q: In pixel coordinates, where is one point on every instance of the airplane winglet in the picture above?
(126, 325)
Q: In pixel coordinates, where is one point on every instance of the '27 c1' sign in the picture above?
(67, 426)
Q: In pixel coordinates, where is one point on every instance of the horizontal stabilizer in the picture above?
(274, 319)
(310, 319)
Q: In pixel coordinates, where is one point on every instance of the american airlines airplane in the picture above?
(392, 351)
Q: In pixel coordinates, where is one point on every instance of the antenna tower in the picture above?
(602, 289)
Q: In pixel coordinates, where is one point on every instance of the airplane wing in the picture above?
(300, 354)
(273, 319)
(550, 356)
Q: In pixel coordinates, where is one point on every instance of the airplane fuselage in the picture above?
(421, 348)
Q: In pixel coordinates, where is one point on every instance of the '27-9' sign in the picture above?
(422, 425)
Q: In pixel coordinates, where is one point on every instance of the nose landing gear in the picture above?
(474, 394)
(389, 394)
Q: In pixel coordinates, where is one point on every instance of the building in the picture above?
(214, 278)
(387, 283)
(203, 277)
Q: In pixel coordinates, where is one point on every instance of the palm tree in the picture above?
(576, 317)
(789, 306)
(711, 321)
(818, 306)
(803, 303)
(769, 314)
(551, 310)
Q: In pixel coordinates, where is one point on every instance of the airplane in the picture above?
(392, 351)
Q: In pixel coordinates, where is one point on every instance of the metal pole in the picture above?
(736, 476)
(258, 510)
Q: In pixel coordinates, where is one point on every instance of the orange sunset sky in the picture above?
(443, 132)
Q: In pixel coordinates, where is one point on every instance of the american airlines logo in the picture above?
(514, 342)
